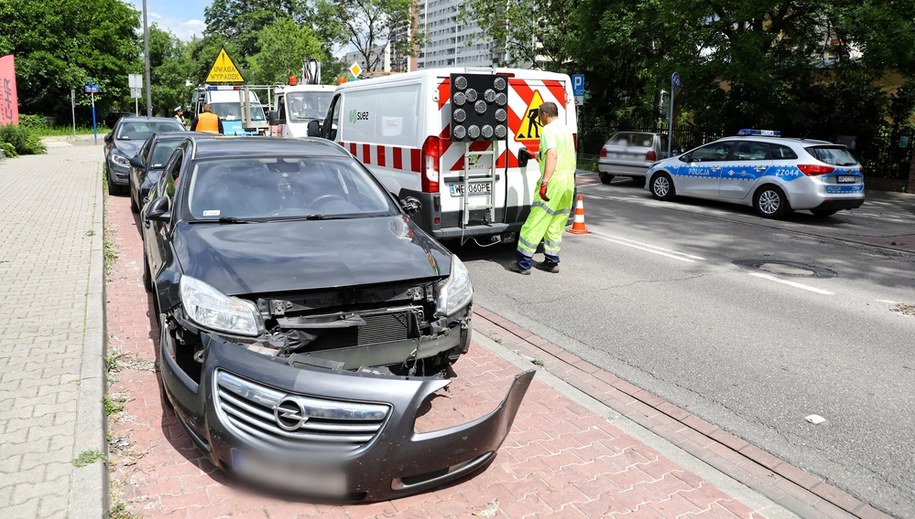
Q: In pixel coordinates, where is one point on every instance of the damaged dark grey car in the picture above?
(305, 321)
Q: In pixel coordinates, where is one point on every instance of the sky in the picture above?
(183, 18)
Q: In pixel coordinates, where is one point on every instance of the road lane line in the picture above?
(792, 283)
(647, 248)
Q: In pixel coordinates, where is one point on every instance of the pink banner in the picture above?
(9, 103)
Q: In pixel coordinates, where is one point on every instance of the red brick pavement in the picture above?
(560, 460)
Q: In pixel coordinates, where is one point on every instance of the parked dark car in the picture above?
(146, 166)
(305, 320)
(124, 141)
(630, 154)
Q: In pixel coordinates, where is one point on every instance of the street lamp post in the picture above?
(146, 58)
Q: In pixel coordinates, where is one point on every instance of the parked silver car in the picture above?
(774, 175)
(630, 154)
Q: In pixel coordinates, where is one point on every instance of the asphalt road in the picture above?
(753, 325)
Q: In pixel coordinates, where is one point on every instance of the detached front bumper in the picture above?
(338, 435)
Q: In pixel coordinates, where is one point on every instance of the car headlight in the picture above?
(456, 291)
(120, 160)
(211, 308)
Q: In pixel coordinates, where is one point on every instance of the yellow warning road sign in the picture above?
(224, 70)
(530, 125)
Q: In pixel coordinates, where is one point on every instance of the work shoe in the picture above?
(547, 267)
(515, 268)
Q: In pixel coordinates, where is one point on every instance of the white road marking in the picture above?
(57, 144)
(885, 301)
(792, 283)
(647, 247)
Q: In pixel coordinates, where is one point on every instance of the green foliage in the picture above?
(60, 44)
(284, 47)
(169, 71)
(23, 140)
(370, 25)
(32, 122)
(88, 457)
(8, 149)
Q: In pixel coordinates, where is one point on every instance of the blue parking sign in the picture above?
(578, 84)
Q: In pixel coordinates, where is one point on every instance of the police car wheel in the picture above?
(662, 187)
(606, 178)
(770, 202)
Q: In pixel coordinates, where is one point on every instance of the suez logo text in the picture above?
(355, 115)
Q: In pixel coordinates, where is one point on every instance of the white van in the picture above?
(294, 106)
(399, 126)
(227, 102)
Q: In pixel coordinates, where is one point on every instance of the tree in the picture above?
(241, 21)
(169, 69)
(284, 47)
(531, 32)
(60, 44)
(370, 25)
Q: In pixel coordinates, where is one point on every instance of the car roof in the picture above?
(177, 136)
(778, 140)
(233, 147)
(134, 118)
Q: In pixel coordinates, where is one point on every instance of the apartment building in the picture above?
(451, 42)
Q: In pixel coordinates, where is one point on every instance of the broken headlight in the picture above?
(456, 291)
(212, 309)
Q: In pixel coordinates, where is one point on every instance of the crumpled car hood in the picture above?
(286, 256)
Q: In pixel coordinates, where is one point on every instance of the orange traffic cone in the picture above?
(578, 224)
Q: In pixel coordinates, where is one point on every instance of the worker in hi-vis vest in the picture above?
(207, 121)
(553, 201)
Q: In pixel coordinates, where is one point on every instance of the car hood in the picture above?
(286, 256)
(127, 147)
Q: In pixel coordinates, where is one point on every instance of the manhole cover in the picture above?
(786, 268)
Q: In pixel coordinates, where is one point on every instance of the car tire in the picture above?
(662, 186)
(113, 189)
(770, 202)
(824, 212)
(605, 178)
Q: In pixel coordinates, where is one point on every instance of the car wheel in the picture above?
(770, 202)
(662, 186)
(113, 189)
(824, 212)
(606, 178)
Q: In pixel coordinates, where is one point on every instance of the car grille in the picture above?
(273, 419)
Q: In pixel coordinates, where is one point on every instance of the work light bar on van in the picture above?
(760, 133)
(479, 107)
(223, 87)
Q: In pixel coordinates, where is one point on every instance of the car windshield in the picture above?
(140, 130)
(834, 155)
(284, 188)
(161, 153)
(232, 111)
(632, 139)
(303, 106)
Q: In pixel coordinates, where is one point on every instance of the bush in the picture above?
(8, 149)
(32, 122)
(23, 140)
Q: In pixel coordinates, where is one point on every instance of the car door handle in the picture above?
(716, 168)
(759, 168)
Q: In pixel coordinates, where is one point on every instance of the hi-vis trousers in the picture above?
(546, 221)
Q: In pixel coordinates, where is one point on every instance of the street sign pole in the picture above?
(94, 130)
(73, 109)
(674, 86)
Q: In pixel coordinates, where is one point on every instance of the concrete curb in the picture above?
(89, 484)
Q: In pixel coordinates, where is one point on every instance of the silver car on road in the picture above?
(630, 154)
(774, 175)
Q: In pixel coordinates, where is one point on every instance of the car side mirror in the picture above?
(274, 117)
(523, 157)
(107, 137)
(158, 210)
(411, 204)
(137, 162)
(314, 128)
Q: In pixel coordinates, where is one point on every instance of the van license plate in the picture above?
(477, 188)
(845, 179)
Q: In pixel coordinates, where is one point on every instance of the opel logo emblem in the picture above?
(289, 414)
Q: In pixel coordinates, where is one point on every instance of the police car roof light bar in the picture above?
(754, 131)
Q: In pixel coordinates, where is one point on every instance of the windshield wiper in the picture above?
(232, 219)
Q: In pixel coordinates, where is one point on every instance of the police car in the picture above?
(773, 174)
